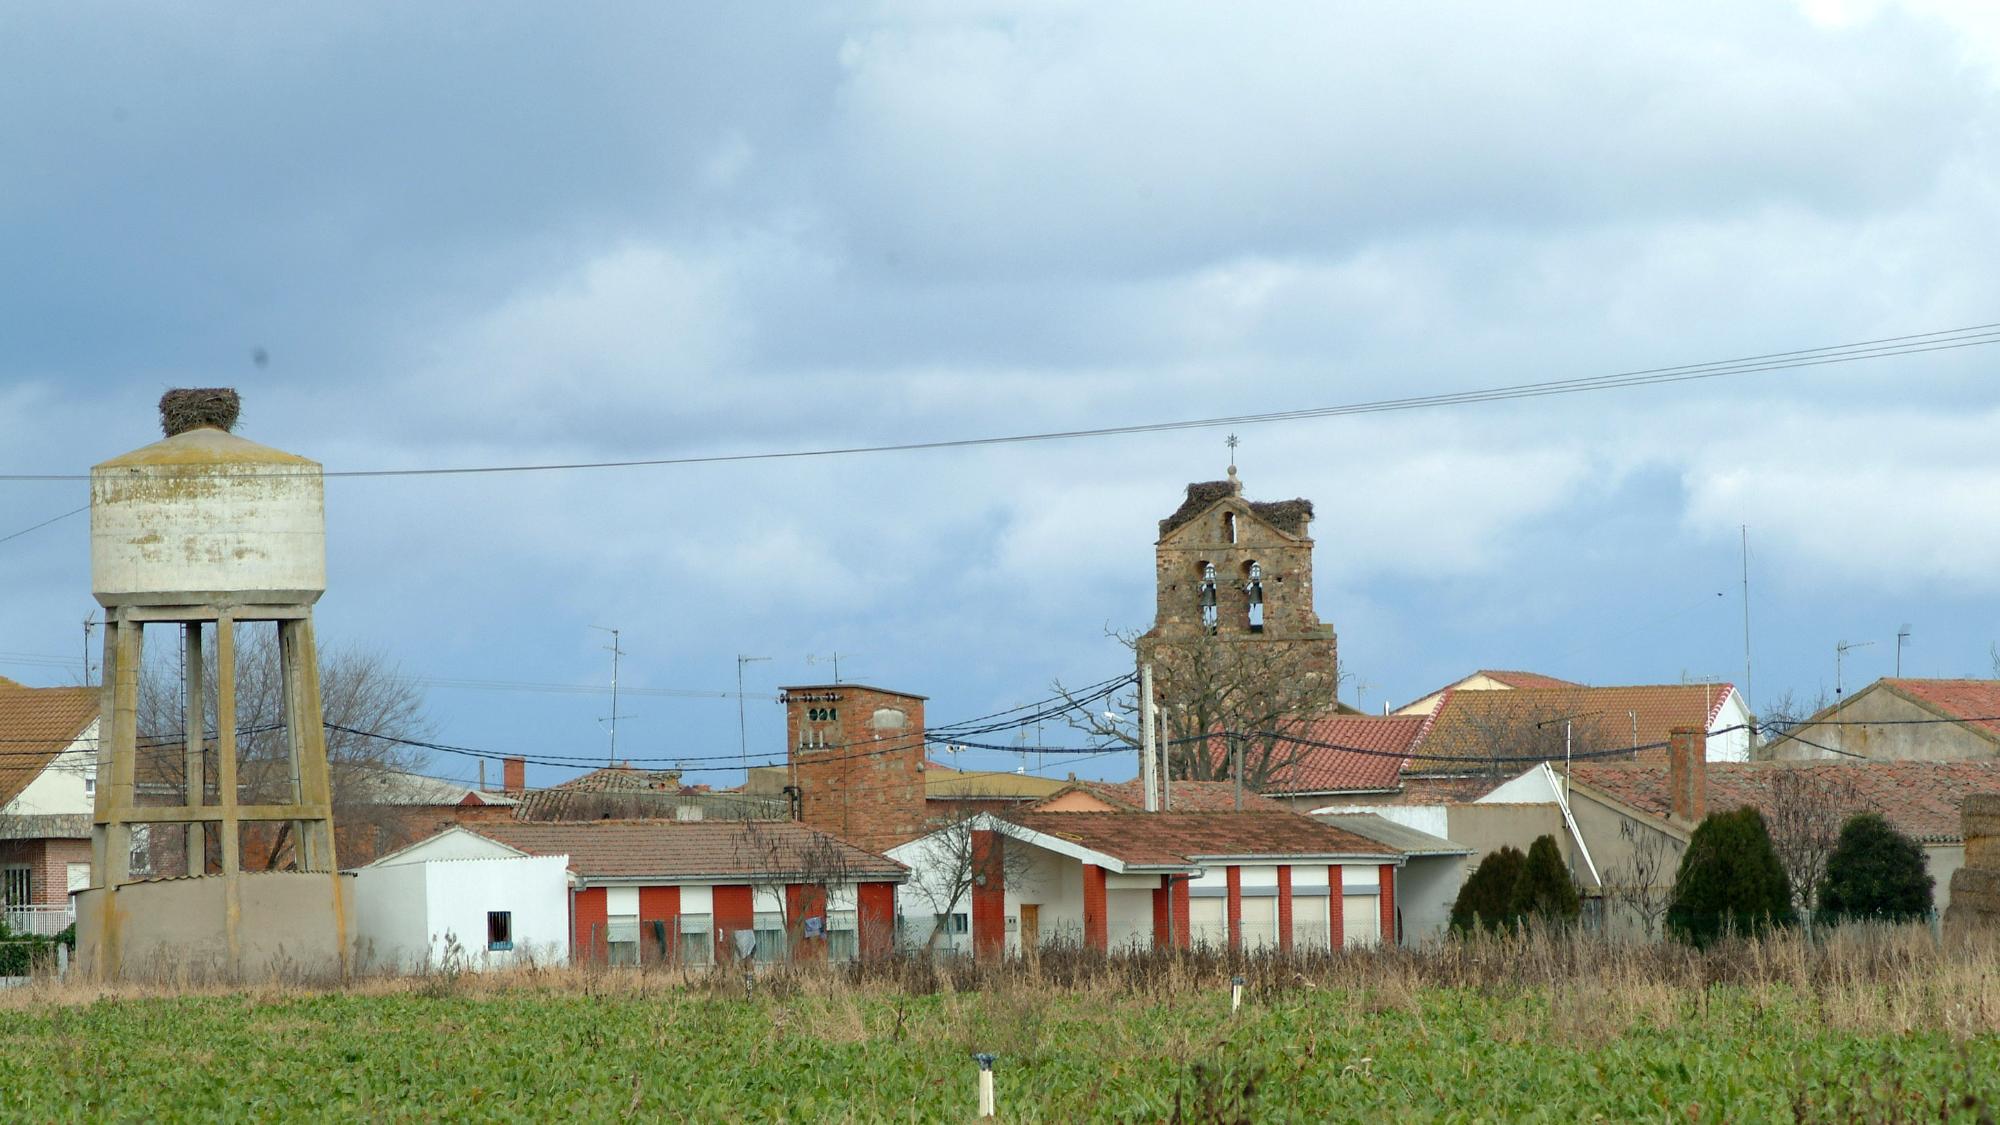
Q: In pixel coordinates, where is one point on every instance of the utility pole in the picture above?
(89, 623)
(1148, 746)
(1749, 700)
(616, 652)
(743, 739)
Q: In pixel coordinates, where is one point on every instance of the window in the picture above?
(1253, 591)
(621, 939)
(90, 784)
(621, 925)
(842, 939)
(18, 888)
(697, 940)
(1229, 526)
(140, 860)
(499, 929)
(770, 936)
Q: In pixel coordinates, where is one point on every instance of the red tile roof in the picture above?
(1525, 679)
(1182, 839)
(1975, 702)
(1187, 796)
(1920, 799)
(1526, 721)
(625, 792)
(667, 849)
(1362, 752)
(37, 724)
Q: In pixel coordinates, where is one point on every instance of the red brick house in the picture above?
(48, 777)
(696, 892)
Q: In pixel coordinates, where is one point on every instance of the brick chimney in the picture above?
(514, 776)
(1687, 772)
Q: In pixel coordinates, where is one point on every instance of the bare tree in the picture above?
(948, 865)
(362, 696)
(786, 854)
(1807, 807)
(1220, 697)
(1787, 713)
(1643, 882)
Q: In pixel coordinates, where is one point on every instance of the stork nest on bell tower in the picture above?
(191, 408)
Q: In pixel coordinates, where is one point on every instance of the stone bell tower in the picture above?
(1234, 587)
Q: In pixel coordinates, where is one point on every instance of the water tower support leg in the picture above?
(230, 830)
(197, 834)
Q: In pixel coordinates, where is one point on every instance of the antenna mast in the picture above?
(1749, 700)
(616, 652)
(742, 739)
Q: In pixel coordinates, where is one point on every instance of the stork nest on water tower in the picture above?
(191, 408)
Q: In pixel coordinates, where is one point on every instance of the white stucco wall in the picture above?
(59, 789)
(407, 913)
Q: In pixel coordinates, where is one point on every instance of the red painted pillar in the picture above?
(662, 905)
(1389, 936)
(1163, 912)
(1096, 919)
(875, 920)
(1285, 907)
(1336, 907)
(1235, 907)
(734, 909)
(1178, 892)
(803, 901)
(591, 913)
(989, 896)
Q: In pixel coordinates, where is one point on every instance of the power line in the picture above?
(1880, 348)
(46, 522)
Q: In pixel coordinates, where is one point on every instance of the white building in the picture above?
(459, 895)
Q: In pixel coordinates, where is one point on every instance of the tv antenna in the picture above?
(616, 652)
(1902, 636)
(742, 739)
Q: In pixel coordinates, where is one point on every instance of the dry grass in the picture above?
(1871, 980)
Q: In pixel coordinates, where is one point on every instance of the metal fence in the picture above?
(39, 921)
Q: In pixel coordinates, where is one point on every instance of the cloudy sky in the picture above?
(479, 234)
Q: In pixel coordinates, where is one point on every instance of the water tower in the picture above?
(201, 533)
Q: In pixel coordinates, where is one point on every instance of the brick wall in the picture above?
(48, 866)
(803, 901)
(1336, 920)
(1178, 891)
(588, 915)
(875, 919)
(1096, 909)
(989, 895)
(857, 756)
(735, 909)
(1284, 907)
(659, 904)
(1389, 935)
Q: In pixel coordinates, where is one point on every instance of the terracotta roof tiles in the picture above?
(667, 849)
(1182, 839)
(1921, 799)
(1364, 752)
(36, 725)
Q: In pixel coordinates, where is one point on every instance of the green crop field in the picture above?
(1388, 1044)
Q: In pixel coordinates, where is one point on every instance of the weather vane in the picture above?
(1230, 441)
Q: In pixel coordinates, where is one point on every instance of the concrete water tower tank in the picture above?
(202, 532)
(206, 514)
